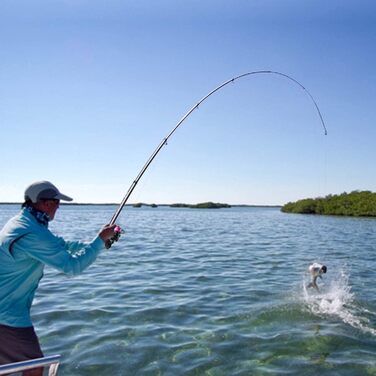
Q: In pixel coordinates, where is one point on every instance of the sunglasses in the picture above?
(55, 200)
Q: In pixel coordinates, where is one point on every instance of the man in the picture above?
(316, 270)
(26, 245)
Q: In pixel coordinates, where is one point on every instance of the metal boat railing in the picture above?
(49, 362)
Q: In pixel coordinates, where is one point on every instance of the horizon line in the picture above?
(142, 203)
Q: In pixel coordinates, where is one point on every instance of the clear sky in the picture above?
(89, 88)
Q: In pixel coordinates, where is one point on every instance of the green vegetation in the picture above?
(356, 203)
(140, 204)
(203, 205)
(179, 206)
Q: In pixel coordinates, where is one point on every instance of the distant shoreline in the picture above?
(146, 205)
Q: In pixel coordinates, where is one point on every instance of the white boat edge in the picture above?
(52, 362)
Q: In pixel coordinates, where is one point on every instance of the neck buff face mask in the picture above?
(40, 216)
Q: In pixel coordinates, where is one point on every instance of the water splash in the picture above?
(337, 300)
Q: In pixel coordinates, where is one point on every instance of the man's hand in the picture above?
(110, 233)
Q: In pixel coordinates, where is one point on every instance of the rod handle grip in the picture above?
(108, 243)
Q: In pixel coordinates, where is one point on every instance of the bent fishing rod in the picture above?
(196, 106)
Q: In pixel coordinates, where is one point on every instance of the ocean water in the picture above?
(212, 292)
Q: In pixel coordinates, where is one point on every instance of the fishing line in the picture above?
(196, 106)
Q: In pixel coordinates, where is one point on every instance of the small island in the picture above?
(355, 204)
(140, 204)
(203, 205)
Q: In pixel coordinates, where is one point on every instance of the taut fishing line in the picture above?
(196, 106)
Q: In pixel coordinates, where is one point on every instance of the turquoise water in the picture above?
(213, 292)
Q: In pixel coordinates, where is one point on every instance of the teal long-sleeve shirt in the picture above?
(26, 246)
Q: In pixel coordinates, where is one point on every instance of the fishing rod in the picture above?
(164, 140)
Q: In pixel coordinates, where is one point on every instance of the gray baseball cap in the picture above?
(44, 190)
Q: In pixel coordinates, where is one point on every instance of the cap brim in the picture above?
(62, 197)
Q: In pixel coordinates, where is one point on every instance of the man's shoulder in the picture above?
(18, 226)
(23, 219)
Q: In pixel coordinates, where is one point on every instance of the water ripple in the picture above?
(213, 292)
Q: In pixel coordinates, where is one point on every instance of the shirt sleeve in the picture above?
(73, 246)
(69, 257)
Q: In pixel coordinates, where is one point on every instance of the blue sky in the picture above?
(89, 89)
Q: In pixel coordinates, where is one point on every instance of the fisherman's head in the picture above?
(323, 269)
(44, 196)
